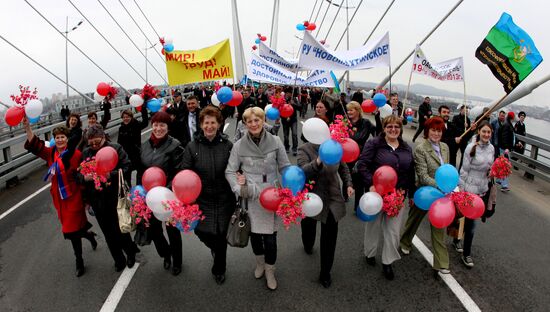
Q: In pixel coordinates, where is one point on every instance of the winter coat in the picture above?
(70, 211)
(474, 174)
(427, 162)
(129, 136)
(362, 129)
(167, 156)
(179, 128)
(458, 126)
(327, 185)
(209, 159)
(424, 112)
(75, 136)
(506, 136)
(261, 165)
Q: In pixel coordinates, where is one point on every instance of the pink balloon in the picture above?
(384, 180)
(442, 212)
(351, 150)
(106, 159)
(236, 100)
(187, 186)
(477, 209)
(14, 115)
(152, 177)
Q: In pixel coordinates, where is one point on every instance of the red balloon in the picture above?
(263, 38)
(236, 100)
(306, 23)
(14, 115)
(442, 212)
(162, 51)
(106, 159)
(477, 209)
(152, 177)
(351, 150)
(368, 106)
(187, 186)
(103, 88)
(286, 111)
(384, 180)
(138, 108)
(254, 47)
(270, 199)
(311, 26)
(259, 35)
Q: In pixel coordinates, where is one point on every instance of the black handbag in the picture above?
(142, 236)
(239, 225)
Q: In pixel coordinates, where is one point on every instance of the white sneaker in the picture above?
(405, 251)
(444, 271)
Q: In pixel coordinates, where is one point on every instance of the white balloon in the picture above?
(313, 205)
(98, 97)
(267, 107)
(370, 203)
(154, 200)
(33, 108)
(316, 130)
(214, 100)
(136, 100)
(385, 111)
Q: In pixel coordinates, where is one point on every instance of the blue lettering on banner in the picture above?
(306, 48)
(375, 53)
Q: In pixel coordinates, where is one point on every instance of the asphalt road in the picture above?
(510, 251)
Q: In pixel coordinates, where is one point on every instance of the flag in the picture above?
(336, 83)
(452, 70)
(509, 52)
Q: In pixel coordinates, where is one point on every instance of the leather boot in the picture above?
(270, 277)
(260, 267)
(80, 270)
(91, 237)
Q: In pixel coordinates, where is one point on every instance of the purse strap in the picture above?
(122, 186)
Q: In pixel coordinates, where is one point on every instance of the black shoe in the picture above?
(326, 281)
(176, 270)
(91, 237)
(294, 153)
(308, 250)
(371, 261)
(220, 279)
(167, 262)
(388, 271)
(80, 270)
(120, 266)
(131, 261)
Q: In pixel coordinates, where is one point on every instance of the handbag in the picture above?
(125, 221)
(142, 236)
(239, 225)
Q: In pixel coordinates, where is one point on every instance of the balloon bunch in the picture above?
(385, 198)
(260, 39)
(226, 96)
(278, 107)
(148, 96)
(306, 26)
(167, 45)
(26, 103)
(105, 91)
(409, 112)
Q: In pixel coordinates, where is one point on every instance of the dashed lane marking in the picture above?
(118, 290)
(5, 214)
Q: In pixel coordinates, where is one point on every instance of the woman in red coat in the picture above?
(65, 192)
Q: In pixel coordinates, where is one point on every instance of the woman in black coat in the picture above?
(75, 130)
(207, 155)
(129, 136)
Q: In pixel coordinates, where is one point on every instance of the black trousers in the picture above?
(218, 246)
(76, 241)
(266, 245)
(329, 235)
(420, 129)
(287, 128)
(164, 249)
(117, 241)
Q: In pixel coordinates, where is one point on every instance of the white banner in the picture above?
(318, 78)
(313, 55)
(451, 70)
(272, 57)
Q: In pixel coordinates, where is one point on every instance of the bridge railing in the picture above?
(534, 162)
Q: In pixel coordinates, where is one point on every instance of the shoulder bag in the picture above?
(125, 221)
(239, 225)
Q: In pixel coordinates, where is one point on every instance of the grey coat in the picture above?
(474, 174)
(327, 184)
(269, 158)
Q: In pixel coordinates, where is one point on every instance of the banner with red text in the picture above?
(451, 70)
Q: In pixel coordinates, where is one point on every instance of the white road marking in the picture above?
(118, 290)
(225, 127)
(2, 216)
(451, 282)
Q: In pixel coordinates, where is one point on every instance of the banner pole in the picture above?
(407, 93)
(467, 111)
(485, 114)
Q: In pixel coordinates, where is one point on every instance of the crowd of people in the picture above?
(188, 134)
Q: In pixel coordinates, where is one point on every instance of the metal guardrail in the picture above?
(531, 164)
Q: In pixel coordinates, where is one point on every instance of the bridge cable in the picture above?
(312, 10)
(147, 19)
(322, 21)
(334, 20)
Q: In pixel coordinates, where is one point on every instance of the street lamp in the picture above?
(67, 31)
(146, 79)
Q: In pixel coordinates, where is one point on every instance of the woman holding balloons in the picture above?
(389, 156)
(332, 208)
(129, 136)
(428, 157)
(165, 153)
(253, 165)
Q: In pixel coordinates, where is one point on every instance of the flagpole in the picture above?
(407, 93)
(466, 112)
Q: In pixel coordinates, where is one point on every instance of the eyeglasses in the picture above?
(95, 142)
(393, 127)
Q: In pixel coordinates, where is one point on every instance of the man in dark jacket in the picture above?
(461, 122)
(291, 124)
(448, 136)
(184, 128)
(424, 113)
(203, 95)
(248, 101)
(178, 108)
(506, 138)
(261, 98)
(519, 128)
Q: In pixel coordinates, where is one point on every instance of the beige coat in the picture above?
(427, 162)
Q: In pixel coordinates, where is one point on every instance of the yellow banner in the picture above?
(210, 63)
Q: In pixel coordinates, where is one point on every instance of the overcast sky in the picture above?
(196, 24)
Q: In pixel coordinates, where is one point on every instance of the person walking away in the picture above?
(506, 139)
(424, 113)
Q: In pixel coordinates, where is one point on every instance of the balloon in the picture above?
(351, 150)
(98, 97)
(32, 121)
(294, 178)
(371, 203)
(286, 111)
(409, 118)
(225, 94)
(106, 159)
(267, 107)
(364, 217)
(442, 212)
(384, 180)
(270, 199)
(153, 177)
(425, 196)
(187, 186)
(316, 130)
(136, 100)
(33, 109)
(236, 98)
(385, 111)
(254, 47)
(368, 106)
(169, 41)
(257, 41)
(311, 26)
(331, 152)
(192, 226)
(272, 113)
(154, 105)
(50, 143)
(306, 23)
(14, 115)
(300, 27)
(263, 38)
(477, 209)
(214, 100)
(154, 199)
(103, 88)
(141, 191)
(409, 112)
(168, 47)
(313, 205)
(446, 178)
(379, 99)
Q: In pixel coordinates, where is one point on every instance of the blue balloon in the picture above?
(294, 178)
(446, 178)
(272, 113)
(331, 152)
(364, 217)
(192, 226)
(257, 41)
(168, 47)
(425, 196)
(379, 99)
(225, 94)
(300, 27)
(52, 142)
(154, 105)
(32, 121)
(409, 118)
(140, 189)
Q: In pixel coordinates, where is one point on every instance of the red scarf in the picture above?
(156, 142)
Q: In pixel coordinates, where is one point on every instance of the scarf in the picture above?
(158, 142)
(57, 169)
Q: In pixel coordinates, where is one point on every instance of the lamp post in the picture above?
(146, 78)
(67, 31)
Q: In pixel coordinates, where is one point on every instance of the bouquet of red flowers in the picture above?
(183, 216)
(340, 128)
(393, 202)
(290, 208)
(277, 102)
(463, 201)
(148, 92)
(25, 96)
(501, 168)
(89, 168)
(139, 210)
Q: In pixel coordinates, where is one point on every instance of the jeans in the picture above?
(266, 245)
(469, 228)
(287, 127)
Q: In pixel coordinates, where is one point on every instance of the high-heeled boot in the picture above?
(80, 270)
(91, 237)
